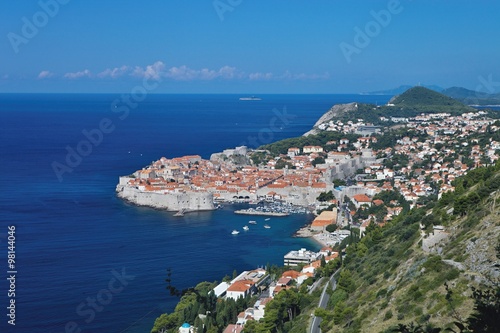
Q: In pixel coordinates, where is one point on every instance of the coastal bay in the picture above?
(81, 217)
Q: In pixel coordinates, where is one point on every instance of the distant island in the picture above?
(251, 98)
(471, 97)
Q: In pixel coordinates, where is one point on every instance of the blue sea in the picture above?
(88, 262)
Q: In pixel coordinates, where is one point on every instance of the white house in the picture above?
(241, 288)
(312, 149)
(293, 151)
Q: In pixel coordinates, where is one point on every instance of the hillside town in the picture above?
(360, 177)
(434, 150)
(260, 284)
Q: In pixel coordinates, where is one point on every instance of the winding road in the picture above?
(323, 301)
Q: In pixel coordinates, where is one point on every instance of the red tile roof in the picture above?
(361, 198)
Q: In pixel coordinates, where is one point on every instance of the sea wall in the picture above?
(189, 201)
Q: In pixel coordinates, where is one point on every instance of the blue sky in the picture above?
(247, 46)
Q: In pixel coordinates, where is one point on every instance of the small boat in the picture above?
(267, 226)
(252, 222)
(235, 232)
(267, 219)
(246, 228)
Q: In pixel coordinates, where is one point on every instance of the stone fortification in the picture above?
(187, 201)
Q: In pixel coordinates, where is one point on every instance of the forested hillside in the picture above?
(431, 269)
(409, 273)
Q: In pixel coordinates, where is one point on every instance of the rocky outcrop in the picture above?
(481, 250)
(478, 258)
(335, 111)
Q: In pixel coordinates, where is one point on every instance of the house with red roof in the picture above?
(240, 288)
(361, 199)
(233, 328)
(290, 274)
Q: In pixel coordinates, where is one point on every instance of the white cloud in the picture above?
(158, 71)
(287, 75)
(45, 75)
(184, 73)
(115, 72)
(154, 71)
(229, 73)
(261, 76)
(205, 74)
(303, 76)
(77, 75)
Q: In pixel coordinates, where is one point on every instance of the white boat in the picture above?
(267, 226)
(246, 228)
(235, 232)
(252, 222)
(267, 219)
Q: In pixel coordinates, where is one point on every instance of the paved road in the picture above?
(323, 301)
(315, 285)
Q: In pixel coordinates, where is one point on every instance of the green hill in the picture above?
(399, 274)
(399, 90)
(471, 97)
(423, 100)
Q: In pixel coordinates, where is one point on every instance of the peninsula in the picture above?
(191, 183)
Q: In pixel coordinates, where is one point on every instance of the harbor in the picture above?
(253, 211)
(277, 209)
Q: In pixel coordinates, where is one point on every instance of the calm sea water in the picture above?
(71, 235)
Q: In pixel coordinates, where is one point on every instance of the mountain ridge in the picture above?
(401, 89)
(427, 100)
(471, 97)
